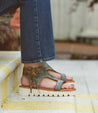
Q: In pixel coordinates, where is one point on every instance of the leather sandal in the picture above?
(63, 76)
(35, 75)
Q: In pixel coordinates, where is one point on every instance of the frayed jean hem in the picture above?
(38, 61)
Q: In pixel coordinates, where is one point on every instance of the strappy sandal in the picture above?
(63, 76)
(35, 75)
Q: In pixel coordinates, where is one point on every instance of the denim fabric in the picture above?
(37, 43)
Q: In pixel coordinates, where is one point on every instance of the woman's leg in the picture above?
(37, 43)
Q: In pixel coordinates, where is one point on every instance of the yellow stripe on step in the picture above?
(7, 52)
(17, 61)
(88, 96)
(15, 81)
(43, 105)
(8, 58)
(6, 69)
(4, 85)
(4, 91)
(84, 108)
(95, 107)
(31, 105)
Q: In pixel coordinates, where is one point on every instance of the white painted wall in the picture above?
(68, 26)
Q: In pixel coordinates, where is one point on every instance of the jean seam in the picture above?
(40, 59)
(37, 30)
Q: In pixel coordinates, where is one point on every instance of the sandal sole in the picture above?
(25, 91)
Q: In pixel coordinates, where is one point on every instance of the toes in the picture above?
(69, 78)
(70, 87)
(67, 86)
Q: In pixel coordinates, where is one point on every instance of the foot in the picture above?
(46, 83)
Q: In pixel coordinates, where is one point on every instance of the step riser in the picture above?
(10, 72)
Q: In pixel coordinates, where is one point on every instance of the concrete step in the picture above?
(85, 100)
(10, 71)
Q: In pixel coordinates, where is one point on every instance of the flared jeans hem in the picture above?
(36, 31)
(38, 60)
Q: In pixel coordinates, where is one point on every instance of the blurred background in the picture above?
(75, 27)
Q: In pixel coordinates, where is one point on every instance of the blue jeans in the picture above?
(37, 42)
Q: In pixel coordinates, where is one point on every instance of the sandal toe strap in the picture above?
(58, 85)
(63, 77)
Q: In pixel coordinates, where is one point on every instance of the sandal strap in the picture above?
(31, 74)
(45, 74)
(35, 75)
(63, 77)
(45, 64)
(58, 85)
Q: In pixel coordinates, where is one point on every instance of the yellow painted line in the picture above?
(4, 85)
(94, 96)
(6, 52)
(84, 108)
(88, 96)
(15, 81)
(22, 68)
(95, 107)
(6, 69)
(4, 91)
(31, 105)
(18, 61)
(43, 105)
(8, 58)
